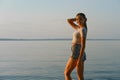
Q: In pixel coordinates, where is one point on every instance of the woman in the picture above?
(78, 47)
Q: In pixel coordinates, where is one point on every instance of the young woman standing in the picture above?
(78, 47)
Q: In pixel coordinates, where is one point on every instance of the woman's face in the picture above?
(80, 20)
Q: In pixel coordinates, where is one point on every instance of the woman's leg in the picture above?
(80, 71)
(71, 64)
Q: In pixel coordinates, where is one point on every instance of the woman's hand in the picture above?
(71, 19)
(79, 62)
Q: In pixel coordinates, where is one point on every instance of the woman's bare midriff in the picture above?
(76, 42)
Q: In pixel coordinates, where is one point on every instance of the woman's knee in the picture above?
(67, 73)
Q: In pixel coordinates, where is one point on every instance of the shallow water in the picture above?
(45, 60)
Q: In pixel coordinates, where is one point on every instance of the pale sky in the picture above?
(47, 18)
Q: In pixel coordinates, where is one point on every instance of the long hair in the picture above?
(83, 15)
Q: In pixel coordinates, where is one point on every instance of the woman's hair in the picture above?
(83, 15)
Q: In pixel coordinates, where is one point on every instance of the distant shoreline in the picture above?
(54, 39)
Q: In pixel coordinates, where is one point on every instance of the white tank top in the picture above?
(82, 32)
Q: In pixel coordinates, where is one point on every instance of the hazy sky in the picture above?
(47, 18)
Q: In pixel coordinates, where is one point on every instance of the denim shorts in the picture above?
(76, 52)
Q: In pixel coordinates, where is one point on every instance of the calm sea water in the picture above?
(45, 60)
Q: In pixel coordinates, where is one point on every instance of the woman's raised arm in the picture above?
(71, 21)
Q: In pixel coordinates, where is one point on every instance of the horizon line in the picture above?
(46, 39)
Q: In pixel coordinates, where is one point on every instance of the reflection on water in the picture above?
(45, 60)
